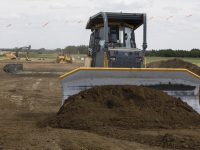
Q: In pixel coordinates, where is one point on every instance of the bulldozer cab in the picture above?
(118, 36)
(113, 40)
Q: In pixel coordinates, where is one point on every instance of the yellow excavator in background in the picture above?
(17, 66)
(15, 55)
(26, 49)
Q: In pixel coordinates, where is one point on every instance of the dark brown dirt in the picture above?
(175, 63)
(27, 99)
(124, 107)
(121, 109)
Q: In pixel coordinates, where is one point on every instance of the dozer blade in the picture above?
(176, 82)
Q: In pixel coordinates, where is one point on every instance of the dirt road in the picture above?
(26, 100)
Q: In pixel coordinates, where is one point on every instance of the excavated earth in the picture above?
(119, 117)
(175, 63)
(115, 111)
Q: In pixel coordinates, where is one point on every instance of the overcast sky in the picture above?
(58, 23)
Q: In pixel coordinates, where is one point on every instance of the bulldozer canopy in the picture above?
(133, 19)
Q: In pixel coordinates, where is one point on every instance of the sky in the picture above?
(58, 23)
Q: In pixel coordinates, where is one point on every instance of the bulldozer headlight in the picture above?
(113, 58)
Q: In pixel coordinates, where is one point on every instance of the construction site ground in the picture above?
(26, 99)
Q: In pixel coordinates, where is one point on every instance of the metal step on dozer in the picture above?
(114, 59)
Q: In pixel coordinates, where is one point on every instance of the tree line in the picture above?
(83, 49)
(173, 53)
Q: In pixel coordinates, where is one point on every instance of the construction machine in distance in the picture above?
(63, 58)
(17, 67)
(15, 55)
(10, 55)
(26, 49)
(114, 59)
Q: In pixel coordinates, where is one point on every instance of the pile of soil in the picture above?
(123, 107)
(175, 63)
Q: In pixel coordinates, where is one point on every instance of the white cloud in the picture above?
(67, 19)
(57, 6)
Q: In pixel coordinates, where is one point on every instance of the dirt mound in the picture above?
(123, 107)
(175, 63)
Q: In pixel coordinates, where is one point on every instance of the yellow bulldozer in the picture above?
(114, 59)
(63, 58)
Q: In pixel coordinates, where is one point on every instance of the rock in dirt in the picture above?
(123, 107)
(175, 63)
(13, 68)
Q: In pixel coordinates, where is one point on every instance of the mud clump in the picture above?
(123, 107)
(175, 63)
